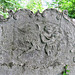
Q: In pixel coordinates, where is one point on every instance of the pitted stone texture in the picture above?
(37, 44)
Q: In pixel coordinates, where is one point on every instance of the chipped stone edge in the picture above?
(12, 14)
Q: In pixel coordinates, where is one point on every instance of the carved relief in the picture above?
(26, 37)
(52, 36)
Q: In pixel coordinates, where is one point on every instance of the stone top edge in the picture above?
(11, 13)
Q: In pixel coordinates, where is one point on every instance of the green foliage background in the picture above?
(65, 5)
(6, 5)
(34, 5)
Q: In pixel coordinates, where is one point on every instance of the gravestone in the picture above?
(37, 44)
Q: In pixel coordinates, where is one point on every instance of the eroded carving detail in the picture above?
(52, 36)
(28, 40)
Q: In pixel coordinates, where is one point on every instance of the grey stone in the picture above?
(74, 59)
(36, 44)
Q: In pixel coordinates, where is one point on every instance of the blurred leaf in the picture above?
(5, 15)
(67, 70)
(64, 73)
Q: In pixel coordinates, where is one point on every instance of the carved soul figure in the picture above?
(52, 36)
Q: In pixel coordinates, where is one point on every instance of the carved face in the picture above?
(51, 33)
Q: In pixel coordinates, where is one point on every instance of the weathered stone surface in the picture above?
(37, 44)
